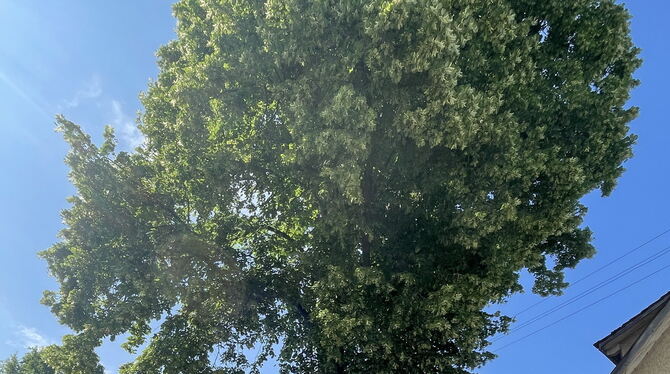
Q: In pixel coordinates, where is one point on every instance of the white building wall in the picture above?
(657, 360)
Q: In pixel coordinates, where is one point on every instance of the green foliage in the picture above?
(10, 365)
(353, 181)
(32, 362)
(75, 355)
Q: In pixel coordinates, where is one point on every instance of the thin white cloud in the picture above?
(32, 338)
(23, 94)
(29, 337)
(126, 126)
(92, 89)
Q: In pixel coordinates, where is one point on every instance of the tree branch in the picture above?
(278, 232)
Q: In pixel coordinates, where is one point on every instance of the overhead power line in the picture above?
(582, 309)
(591, 290)
(598, 269)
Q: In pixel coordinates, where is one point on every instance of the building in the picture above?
(641, 345)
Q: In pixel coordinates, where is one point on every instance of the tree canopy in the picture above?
(344, 185)
(32, 362)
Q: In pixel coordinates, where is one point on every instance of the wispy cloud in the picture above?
(23, 94)
(126, 126)
(91, 89)
(32, 338)
(29, 337)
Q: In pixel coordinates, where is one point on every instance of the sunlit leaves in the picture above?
(345, 185)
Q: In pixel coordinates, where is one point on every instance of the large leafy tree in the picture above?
(344, 184)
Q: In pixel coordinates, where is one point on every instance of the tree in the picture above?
(10, 365)
(346, 185)
(32, 362)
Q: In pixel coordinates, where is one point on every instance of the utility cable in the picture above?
(589, 291)
(598, 269)
(582, 309)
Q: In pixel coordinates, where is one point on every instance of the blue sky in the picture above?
(89, 61)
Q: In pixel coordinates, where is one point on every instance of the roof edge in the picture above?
(659, 303)
(645, 342)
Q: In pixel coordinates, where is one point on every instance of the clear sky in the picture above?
(89, 61)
